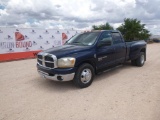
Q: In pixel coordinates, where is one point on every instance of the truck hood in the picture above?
(65, 50)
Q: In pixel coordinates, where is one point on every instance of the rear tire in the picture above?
(84, 76)
(140, 60)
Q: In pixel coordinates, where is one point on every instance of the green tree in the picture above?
(106, 26)
(132, 29)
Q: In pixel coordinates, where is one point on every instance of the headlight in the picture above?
(66, 62)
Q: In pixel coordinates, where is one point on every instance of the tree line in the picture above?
(131, 29)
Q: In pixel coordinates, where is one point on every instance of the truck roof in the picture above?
(104, 30)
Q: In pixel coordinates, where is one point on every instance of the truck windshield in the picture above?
(87, 39)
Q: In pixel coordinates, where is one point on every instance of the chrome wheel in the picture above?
(142, 59)
(86, 76)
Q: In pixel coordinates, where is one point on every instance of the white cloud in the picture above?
(78, 14)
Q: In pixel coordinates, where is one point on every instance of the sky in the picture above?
(78, 14)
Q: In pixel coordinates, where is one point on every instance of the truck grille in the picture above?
(50, 65)
(39, 56)
(39, 61)
(46, 60)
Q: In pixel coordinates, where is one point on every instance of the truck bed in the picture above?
(133, 47)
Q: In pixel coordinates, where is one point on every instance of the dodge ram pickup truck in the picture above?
(87, 54)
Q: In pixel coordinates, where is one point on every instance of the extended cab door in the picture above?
(105, 51)
(120, 47)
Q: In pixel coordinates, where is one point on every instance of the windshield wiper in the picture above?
(71, 42)
(78, 43)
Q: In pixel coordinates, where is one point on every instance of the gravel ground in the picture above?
(125, 93)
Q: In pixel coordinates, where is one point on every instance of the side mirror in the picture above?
(105, 43)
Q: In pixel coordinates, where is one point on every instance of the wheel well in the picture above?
(89, 62)
(143, 50)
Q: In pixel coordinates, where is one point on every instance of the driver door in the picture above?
(105, 52)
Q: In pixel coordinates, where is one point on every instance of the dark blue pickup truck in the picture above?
(87, 54)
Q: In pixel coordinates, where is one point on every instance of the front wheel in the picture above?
(84, 76)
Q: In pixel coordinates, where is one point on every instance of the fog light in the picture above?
(59, 78)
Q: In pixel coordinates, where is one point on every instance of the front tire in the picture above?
(84, 76)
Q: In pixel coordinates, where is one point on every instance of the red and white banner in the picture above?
(21, 43)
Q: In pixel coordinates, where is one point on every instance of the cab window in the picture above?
(105, 37)
(116, 38)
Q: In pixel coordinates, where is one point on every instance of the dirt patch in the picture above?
(125, 93)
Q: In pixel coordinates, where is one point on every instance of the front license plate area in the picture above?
(43, 73)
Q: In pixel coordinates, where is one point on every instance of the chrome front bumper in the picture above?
(57, 77)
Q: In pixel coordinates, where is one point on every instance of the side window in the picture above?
(116, 38)
(106, 36)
